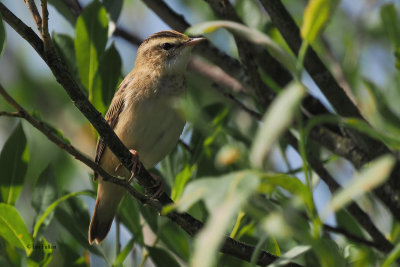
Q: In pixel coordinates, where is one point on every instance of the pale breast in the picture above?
(151, 126)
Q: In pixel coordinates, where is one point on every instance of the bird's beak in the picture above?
(193, 41)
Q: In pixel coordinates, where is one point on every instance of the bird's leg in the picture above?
(136, 165)
(158, 185)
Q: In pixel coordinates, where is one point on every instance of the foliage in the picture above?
(236, 169)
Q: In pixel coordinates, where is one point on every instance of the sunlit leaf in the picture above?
(13, 228)
(371, 176)
(90, 42)
(2, 36)
(44, 193)
(316, 15)
(249, 34)
(291, 254)
(13, 164)
(181, 179)
(275, 121)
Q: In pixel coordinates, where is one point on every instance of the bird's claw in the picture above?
(136, 165)
(158, 186)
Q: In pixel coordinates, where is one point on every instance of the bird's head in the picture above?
(168, 50)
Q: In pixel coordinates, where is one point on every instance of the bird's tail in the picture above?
(108, 198)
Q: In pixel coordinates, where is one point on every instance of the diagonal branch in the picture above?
(35, 14)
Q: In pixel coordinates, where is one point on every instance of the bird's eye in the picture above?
(167, 46)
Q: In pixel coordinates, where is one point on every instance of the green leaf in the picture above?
(2, 36)
(391, 23)
(161, 257)
(13, 165)
(291, 254)
(119, 260)
(51, 208)
(90, 42)
(44, 193)
(13, 228)
(290, 183)
(181, 179)
(316, 15)
(252, 35)
(110, 74)
(130, 217)
(113, 8)
(370, 176)
(223, 198)
(64, 45)
(275, 122)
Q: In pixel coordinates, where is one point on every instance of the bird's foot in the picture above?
(136, 165)
(158, 187)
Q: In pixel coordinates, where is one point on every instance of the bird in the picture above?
(144, 115)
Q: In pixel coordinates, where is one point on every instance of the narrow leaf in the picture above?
(110, 74)
(275, 121)
(90, 42)
(316, 15)
(124, 253)
(369, 177)
(288, 256)
(391, 23)
(13, 165)
(13, 228)
(180, 181)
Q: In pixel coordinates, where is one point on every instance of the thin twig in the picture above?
(45, 26)
(35, 14)
(239, 104)
(10, 114)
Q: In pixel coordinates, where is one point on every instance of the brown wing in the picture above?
(111, 117)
